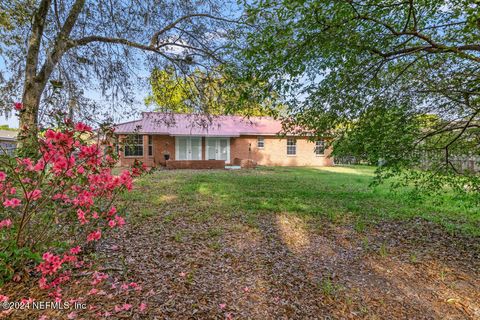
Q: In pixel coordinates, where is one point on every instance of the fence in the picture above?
(7, 148)
(471, 164)
(346, 160)
(461, 163)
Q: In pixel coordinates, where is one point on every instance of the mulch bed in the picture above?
(286, 267)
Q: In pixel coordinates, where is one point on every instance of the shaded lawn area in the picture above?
(340, 194)
(297, 243)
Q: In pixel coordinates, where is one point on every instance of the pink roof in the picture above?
(200, 125)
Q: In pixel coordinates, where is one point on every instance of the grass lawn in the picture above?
(280, 243)
(297, 243)
(339, 194)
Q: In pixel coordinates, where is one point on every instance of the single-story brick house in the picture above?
(170, 139)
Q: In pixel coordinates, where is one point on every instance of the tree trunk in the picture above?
(35, 79)
(29, 117)
(32, 90)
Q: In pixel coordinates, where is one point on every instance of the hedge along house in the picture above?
(192, 141)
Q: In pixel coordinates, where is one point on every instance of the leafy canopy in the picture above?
(214, 93)
(391, 81)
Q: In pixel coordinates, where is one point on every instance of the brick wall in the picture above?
(196, 164)
(160, 144)
(275, 152)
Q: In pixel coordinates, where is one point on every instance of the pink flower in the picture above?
(95, 235)
(13, 190)
(142, 307)
(14, 202)
(51, 264)
(25, 300)
(39, 166)
(98, 277)
(72, 315)
(112, 211)
(182, 274)
(42, 283)
(7, 223)
(27, 162)
(112, 223)
(81, 216)
(82, 127)
(246, 289)
(222, 305)
(3, 176)
(75, 250)
(3, 298)
(33, 195)
(61, 196)
(120, 221)
(93, 291)
(118, 308)
(26, 180)
(18, 106)
(126, 306)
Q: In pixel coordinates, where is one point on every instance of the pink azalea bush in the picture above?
(56, 202)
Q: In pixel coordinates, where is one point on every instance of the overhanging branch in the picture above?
(172, 25)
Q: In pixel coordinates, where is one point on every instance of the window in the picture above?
(319, 147)
(291, 147)
(150, 146)
(260, 142)
(134, 146)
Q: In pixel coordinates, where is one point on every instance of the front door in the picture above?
(188, 148)
(218, 149)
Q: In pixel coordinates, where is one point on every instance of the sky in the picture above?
(11, 121)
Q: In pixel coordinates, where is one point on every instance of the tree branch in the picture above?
(133, 44)
(433, 46)
(156, 35)
(410, 12)
(430, 49)
(60, 45)
(35, 40)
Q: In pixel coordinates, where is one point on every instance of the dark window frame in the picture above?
(291, 147)
(133, 146)
(319, 147)
(260, 142)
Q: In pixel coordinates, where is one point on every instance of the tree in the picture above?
(56, 50)
(6, 127)
(214, 93)
(396, 81)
